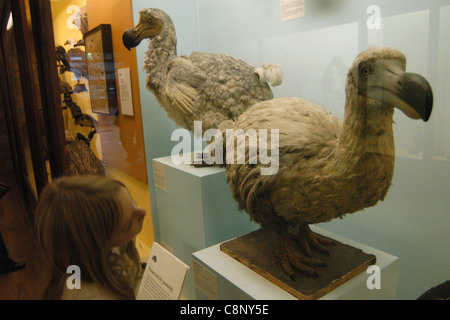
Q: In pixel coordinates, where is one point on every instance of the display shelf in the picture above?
(219, 276)
(195, 211)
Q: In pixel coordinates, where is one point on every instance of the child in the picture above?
(90, 222)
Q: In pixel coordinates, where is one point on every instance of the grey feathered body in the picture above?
(207, 87)
(327, 167)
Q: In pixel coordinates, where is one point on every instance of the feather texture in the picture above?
(207, 87)
(327, 167)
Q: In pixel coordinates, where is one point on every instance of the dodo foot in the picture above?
(310, 240)
(291, 260)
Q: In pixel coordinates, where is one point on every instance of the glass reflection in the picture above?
(114, 136)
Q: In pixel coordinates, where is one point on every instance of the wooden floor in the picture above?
(19, 237)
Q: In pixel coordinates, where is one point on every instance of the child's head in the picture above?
(80, 218)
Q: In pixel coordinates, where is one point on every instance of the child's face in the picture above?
(130, 221)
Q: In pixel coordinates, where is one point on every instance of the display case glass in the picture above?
(315, 52)
(126, 131)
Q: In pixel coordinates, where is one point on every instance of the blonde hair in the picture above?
(75, 220)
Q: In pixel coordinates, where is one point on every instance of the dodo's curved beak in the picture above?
(417, 96)
(129, 39)
(409, 92)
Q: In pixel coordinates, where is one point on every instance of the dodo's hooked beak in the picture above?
(417, 96)
(129, 39)
(409, 92)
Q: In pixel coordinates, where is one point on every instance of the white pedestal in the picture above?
(195, 211)
(218, 276)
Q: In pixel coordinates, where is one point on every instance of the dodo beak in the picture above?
(129, 39)
(409, 92)
(417, 96)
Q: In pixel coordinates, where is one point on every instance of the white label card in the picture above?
(164, 276)
(126, 94)
(159, 175)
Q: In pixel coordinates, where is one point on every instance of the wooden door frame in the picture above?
(8, 101)
(41, 16)
(29, 94)
(51, 122)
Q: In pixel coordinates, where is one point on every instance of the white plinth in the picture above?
(195, 210)
(218, 276)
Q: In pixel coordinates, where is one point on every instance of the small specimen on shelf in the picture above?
(80, 118)
(73, 60)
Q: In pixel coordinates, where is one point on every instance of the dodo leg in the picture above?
(214, 153)
(310, 240)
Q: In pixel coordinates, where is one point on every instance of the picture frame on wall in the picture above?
(101, 70)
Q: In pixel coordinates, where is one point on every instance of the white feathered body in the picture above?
(326, 168)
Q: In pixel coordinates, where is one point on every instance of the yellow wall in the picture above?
(122, 142)
(60, 15)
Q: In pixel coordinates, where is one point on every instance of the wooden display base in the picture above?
(257, 250)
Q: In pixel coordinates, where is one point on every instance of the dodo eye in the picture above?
(366, 70)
